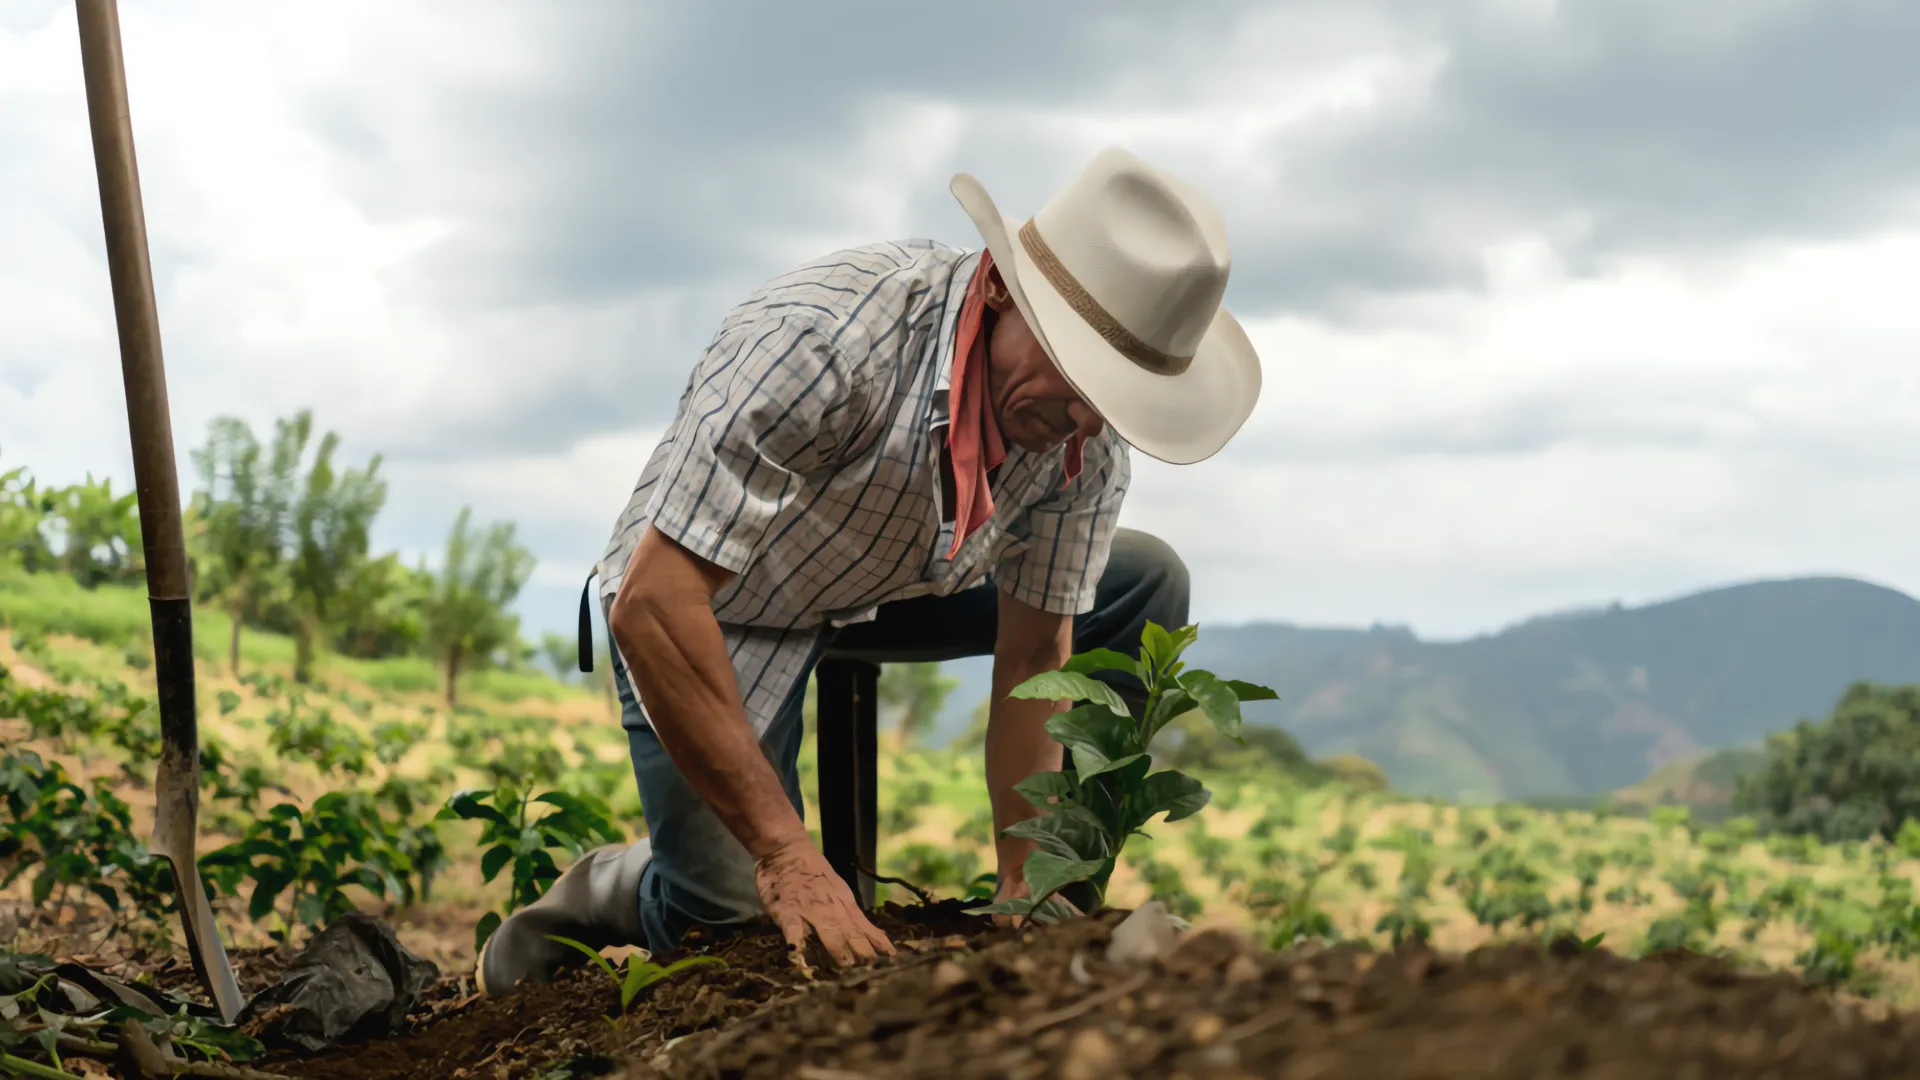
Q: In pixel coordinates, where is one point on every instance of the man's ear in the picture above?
(999, 299)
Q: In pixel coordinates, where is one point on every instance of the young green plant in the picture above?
(515, 837)
(642, 972)
(1109, 791)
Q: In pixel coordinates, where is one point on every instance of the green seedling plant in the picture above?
(641, 971)
(73, 839)
(515, 837)
(300, 733)
(1088, 811)
(345, 839)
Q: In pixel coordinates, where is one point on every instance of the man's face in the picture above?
(1035, 405)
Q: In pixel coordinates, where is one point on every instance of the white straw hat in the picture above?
(1120, 277)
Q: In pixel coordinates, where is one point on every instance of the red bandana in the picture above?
(973, 432)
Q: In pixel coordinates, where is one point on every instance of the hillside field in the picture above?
(1272, 855)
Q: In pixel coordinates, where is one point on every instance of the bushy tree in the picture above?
(24, 509)
(1854, 775)
(466, 615)
(99, 532)
(562, 654)
(241, 517)
(331, 525)
(914, 694)
(382, 609)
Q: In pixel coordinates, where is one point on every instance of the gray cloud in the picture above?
(673, 141)
(676, 145)
(605, 179)
(1611, 129)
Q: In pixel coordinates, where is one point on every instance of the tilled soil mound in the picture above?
(1219, 1007)
(576, 1021)
(959, 1002)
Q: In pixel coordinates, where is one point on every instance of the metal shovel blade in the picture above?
(175, 826)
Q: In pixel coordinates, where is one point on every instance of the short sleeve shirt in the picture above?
(804, 457)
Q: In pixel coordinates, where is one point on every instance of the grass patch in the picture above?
(117, 617)
(48, 604)
(395, 674)
(512, 686)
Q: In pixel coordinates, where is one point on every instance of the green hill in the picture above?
(1704, 783)
(1576, 704)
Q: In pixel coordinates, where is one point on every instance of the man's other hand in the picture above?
(803, 893)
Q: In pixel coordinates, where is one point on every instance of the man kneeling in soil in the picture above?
(899, 452)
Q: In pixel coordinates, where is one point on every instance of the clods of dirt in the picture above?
(964, 1000)
(576, 1018)
(1048, 1004)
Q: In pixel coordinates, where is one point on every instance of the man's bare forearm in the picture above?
(1018, 746)
(1030, 641)
(681, 670)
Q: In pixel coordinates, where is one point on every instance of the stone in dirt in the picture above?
(1147, 934)
(354, 981)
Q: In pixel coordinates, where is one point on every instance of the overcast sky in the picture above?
(1559, 303)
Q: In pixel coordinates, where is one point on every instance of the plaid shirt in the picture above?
(804, 456)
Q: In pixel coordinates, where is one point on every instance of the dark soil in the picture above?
(456, 1033)
(1221, 1007)
(965, 1001)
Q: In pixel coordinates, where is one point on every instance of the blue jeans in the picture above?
(701, 875)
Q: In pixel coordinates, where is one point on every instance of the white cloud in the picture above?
(329, 217)
(1561, 441)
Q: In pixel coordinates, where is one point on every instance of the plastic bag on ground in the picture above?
(354, 981)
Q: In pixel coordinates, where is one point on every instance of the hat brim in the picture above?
(1179, 419)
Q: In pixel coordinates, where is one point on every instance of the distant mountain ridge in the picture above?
(1574, 703)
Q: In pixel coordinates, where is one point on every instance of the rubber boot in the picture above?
(596, 902)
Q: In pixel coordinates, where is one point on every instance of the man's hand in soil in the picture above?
(663, 620)
(802, 892)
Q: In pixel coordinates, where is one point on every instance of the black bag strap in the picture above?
(586, 623)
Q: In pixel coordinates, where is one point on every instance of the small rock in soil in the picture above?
(1147, 934)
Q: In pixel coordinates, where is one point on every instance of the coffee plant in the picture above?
(312, 856)
(74, 840)
(1088, 811)
(521, 831)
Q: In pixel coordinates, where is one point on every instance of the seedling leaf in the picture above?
(484, 929)
(1093, 660)
(493, 860)
(1071, 686)
(1073, 837)
(1168, 707)
(1088, 773)
(1176, 793)
(467, 806)
(1095, 735)
(1041, 788)
(1047, 873)
(1216, 699)
(1247, 691)
(642, 974)
(1162, 647)
(591, 953)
